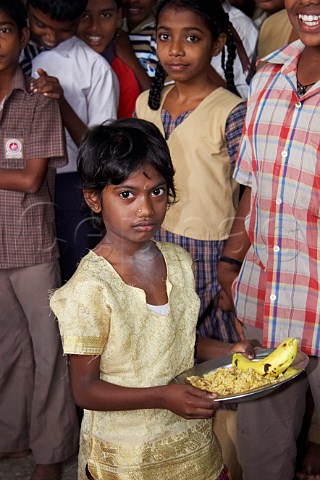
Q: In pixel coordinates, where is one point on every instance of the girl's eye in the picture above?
(163, 37)
(126, 195)
(5, 30)
(158, 191)
(192, 38)
(84, 16)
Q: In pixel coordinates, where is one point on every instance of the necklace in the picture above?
(303, 88)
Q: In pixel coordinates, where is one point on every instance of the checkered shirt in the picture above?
(31, 128)
(278, 286)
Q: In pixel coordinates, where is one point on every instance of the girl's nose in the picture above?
(145, 209)
(176, 48)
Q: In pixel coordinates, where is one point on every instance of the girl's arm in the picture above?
(208, 348)
(92, 393)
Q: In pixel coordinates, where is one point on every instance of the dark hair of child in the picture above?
(16, 11)
(217, 21)
(60, 10)
(111, 152)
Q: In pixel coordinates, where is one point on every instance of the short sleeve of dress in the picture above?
(83, 316)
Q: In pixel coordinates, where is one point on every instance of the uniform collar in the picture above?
(18, 81)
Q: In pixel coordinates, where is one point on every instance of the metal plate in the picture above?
(300, 363)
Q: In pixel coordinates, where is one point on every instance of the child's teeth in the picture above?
(310, 20)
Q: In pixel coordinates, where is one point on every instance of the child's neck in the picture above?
(117, 251)
(308, 70)
(186, 97)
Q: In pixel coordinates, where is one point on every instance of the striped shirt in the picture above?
(278, 286)
(143, 41)
(27, 55)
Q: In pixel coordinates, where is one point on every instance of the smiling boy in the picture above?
(277, 289)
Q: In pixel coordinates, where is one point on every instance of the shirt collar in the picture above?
(18, 81)
(287, 56)
(64, 47)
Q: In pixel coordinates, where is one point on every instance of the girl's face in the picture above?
(11, 43)
(99, 23)
(305, 18)
(184, 44)
(134, 210)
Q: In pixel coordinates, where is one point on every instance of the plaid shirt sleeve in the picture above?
(234, 126)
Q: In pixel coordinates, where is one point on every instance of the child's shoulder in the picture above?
(173, 251)
(22, 82)
(142, 100)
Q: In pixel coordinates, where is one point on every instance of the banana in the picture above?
(290, 372)
(274, 364)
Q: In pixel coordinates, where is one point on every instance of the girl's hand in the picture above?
(246, 347)
(47, 86)
(189, 402)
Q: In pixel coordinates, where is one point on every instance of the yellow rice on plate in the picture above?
(231, 381)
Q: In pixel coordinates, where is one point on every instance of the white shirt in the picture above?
(90, 86)
(248, 33)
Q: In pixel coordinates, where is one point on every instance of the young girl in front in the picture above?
(128, 316)
(202, 124)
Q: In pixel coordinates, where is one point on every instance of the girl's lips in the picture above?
(145, 227)
(177, 67)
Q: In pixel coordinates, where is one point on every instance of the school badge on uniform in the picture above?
(13, 148)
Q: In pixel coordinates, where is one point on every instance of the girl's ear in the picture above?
(24, 37)
(92, 200)
(219, 44)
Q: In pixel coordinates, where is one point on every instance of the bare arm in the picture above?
(125, 52)
(209, 348)
(50, 87)
(28, 179)
(236, 246)
(92, 393)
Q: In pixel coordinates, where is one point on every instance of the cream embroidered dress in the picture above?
(99, 314)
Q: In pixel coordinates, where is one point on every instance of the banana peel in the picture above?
(274, 364)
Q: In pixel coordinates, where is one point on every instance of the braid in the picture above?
(156, 88)
(228, 64)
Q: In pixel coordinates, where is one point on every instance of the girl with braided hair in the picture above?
(202, 123)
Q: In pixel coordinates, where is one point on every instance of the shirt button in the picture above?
(276, 248)
(284, 154)
(273, 298)
(278, 201)
(298, 105)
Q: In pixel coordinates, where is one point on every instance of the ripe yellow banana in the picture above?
(274, 364)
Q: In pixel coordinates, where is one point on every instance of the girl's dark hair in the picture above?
(16, 11)
(111, 152)
(60, 10)
(217, 21)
